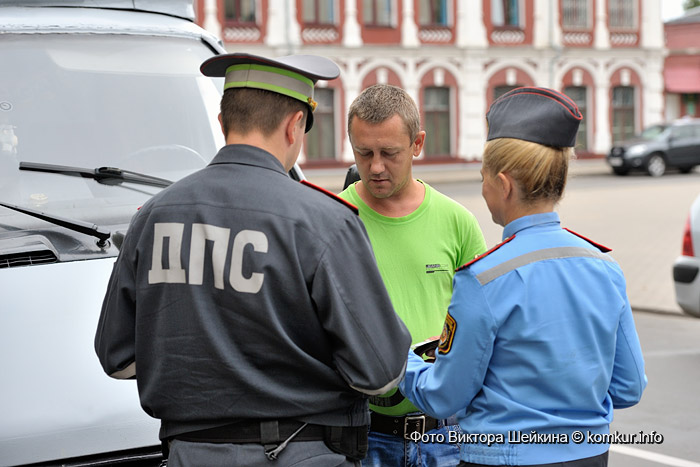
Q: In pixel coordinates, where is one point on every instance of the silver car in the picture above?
(687, 266)
(101, 106)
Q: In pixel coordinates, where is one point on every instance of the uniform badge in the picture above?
(448, 334)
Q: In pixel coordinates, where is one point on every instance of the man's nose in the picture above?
(376, 165)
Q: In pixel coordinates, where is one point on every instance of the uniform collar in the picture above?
(532, 220)
(245, 154)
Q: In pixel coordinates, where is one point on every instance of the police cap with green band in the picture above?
(540, 115)
(293, 75)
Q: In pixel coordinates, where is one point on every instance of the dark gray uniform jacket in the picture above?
(240, 293)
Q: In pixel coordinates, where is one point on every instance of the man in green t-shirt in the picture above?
(419, 237)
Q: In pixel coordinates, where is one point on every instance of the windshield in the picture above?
(134, 102)
(652, 132)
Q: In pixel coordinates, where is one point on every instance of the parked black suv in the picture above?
(675, 144)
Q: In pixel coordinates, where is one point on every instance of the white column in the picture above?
(292, 29)
(603, 130)
(275, 24)
(409, 28)
(471, 31)
(472, 109)
(653, 85)
(652, 29)
(602, 34)
(542, 28)
(211, 18)
(351, 82)
(352, 35)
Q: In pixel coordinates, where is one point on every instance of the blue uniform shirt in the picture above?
(539, 337)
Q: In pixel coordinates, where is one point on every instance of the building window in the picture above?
(377, 12)
(433, 13)
(575, 14)
(498, 91)
(690, 102)
(505, 13)
(623, 113)
(239, 11)
(320, 140)
(436, 106)
(318, 12)
(621, 14)
(578, 94)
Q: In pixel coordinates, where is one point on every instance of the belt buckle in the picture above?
(414, 423)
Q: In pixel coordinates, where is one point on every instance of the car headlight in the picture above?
(636, 150)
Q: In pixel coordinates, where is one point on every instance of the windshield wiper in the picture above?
(105, 175)
(74, 225)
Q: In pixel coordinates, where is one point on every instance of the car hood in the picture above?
(56, 402)
(180, 8)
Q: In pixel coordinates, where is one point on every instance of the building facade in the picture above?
(454, 57)
(682, 67)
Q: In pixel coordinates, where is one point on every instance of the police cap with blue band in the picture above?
(293, 76)
(539, 115)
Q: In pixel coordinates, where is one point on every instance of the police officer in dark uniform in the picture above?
(249, 306)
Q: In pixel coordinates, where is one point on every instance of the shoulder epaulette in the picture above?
(483, 255)
(332, 195)
(602, 248)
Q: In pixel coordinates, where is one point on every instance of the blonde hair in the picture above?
(539, 170)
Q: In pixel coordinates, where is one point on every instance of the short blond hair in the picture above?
(380, 102)
(539, 170)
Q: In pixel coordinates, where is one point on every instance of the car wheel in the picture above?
(620, 171)
(656, 165)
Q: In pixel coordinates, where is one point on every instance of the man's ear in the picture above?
(221, 122)
(294, 122)
(418, 143)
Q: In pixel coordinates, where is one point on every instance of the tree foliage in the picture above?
(688, 4)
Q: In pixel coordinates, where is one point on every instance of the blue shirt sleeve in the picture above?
(449, 385)
(628, 378)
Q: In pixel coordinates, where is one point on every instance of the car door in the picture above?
(681, 144)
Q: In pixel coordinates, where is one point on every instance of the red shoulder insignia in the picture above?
(602, 248)
(483, 255)
(332, 195)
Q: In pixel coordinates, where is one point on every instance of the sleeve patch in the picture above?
(448, 334)
(332, 195)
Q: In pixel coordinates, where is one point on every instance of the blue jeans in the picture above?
(390, 450)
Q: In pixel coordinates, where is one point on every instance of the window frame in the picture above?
(432, 23)
(582, 134)
(429, 112)
(312, 143)
(618, 5)
(575, 5)
(228, 21)
(505, 25)
(375, 4)
(624, 111)
(334, 11)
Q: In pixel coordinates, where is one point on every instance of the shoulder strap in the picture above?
(332, 195)
(602, 248)
(483, 255)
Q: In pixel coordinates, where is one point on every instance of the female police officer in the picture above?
(539, 344)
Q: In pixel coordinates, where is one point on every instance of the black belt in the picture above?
(261, 432)
(403, 426)
(274, 435)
